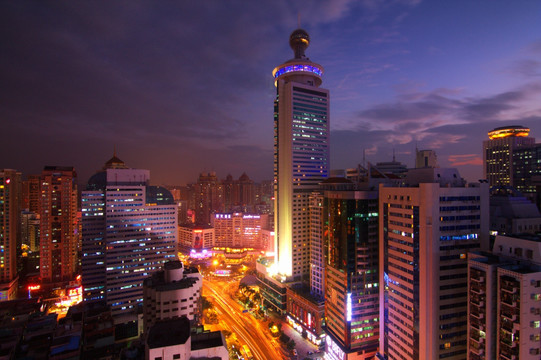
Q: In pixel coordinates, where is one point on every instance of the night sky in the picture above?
(182, 87)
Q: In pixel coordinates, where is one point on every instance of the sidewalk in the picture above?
(302, 345)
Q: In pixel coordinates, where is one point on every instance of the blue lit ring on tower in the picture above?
(299, 67)
(284, 69)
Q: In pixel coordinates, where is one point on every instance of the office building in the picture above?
(195, 238)
(301, 160)
(527, 168)
(350, 243)
(426, 230)
(58, 224)
(129, 232)
(238, 230)
(498, 153)
(171, 293)
(10, 207)
(512, 213)
(504, 297)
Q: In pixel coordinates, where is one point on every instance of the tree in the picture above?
(291, 345)
(206, 304)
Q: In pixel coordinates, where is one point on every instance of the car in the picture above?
(309, 353)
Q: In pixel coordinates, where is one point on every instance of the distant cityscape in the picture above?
(376, 261)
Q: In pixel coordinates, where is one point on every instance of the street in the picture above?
(243, 325)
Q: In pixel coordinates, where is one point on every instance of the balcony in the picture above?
(476, 324)
(509, 285)
(477, 314)
(509, 315)
(476, 289)
(508, 300)
(477, 302)
(478, 278)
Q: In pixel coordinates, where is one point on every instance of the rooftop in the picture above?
(207, 340)
(169, 332)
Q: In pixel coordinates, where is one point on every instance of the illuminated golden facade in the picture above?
(498, 153)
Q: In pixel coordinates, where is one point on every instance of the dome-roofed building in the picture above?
(129, 231)
(114, 163)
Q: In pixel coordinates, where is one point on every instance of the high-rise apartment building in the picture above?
(58, 224)
(504, 297)
(239, 195)
(208, 194)
(30, 230)
(426, 231)
(31, 193)
(350, 219)
(301, 154)
(129, 232)
(10, 207)
(498, 153)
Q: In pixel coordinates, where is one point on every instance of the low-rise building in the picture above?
(172, 339)
(172, 293)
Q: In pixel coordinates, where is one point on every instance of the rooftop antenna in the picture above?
(114, 150)
(298, 20)
(394, 159)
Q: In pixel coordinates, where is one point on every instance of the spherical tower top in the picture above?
(299, 41)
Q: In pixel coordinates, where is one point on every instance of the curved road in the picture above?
(243, 325)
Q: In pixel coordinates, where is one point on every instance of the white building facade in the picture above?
(172, 293)
(426, 232)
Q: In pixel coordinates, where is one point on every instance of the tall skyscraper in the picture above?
(498, 153)
(426, 232)
(351, 270)
(129, 232)
(58, 224)
(10, 203)
(301, 154)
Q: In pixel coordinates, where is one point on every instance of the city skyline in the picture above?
(184, 88)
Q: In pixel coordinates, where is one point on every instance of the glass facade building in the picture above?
(350, 225)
